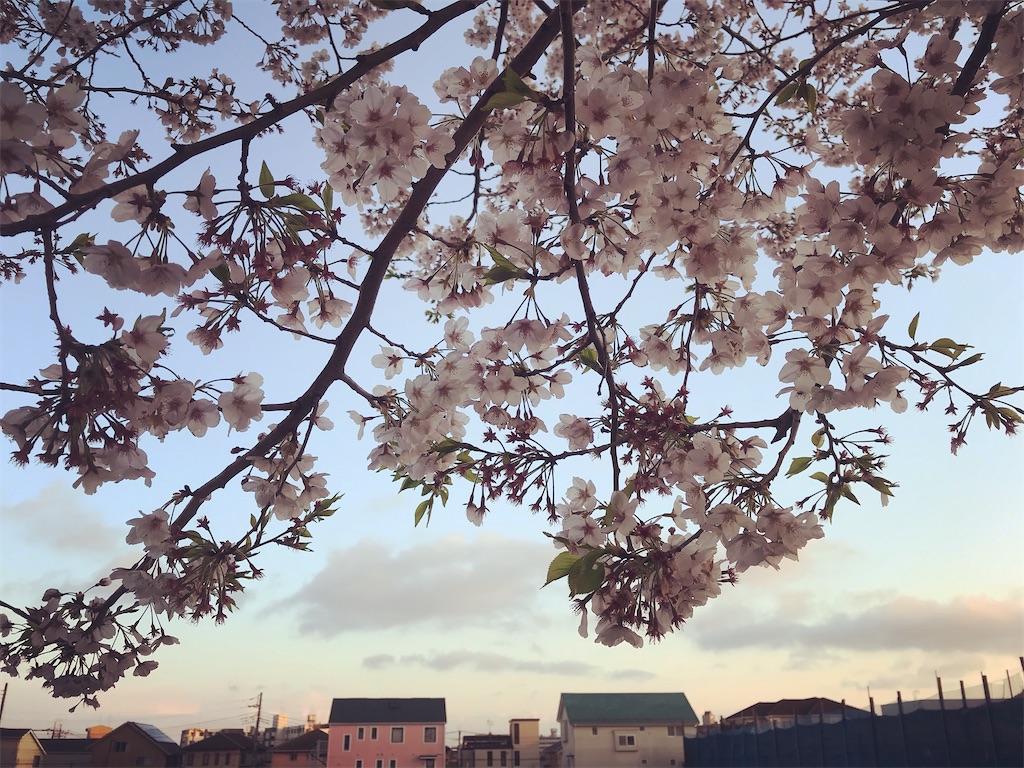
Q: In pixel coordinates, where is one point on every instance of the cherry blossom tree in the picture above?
(768, 165)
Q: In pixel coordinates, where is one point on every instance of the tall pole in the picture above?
(3, 699)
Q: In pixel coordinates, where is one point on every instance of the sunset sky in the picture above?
(890, 597)
(931, 584)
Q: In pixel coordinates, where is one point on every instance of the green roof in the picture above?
(626, 709)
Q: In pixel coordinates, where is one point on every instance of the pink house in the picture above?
(386, 733)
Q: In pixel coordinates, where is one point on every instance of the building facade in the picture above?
(616, 730)
(386, 733)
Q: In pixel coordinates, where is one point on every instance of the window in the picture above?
(359, 764)
(347, 743)
(392, 764)
(373, 733)
(216, 758)
(360, 733)
(515, 757)
(397, 734)
(515, 733)
(206, 758)
(428, 762)
(380, 764)
(430, 734)
(293, 756)
(593, 731)
(191, 760)
(490, 757)
(140, 761)
(120, 746)
(672, 761)
(641, 727)
(675, 730)
(625, 742)
(504, 757)
(227, 759)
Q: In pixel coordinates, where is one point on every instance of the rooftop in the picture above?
(387, 711)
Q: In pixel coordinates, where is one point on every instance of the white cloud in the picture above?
(494, 663)
(964, 623)
(450, 582)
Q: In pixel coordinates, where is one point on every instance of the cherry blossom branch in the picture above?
(365, 63)
(569, 180)
(809, 64)
(982, 46)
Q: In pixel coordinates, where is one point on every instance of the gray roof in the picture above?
(307, 742)
(387, 711)
(626, 709)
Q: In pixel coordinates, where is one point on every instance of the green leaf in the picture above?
(818, 438)
(586, 574)
(515, 84)
(423, 508)
(560, 566)
(849, 494)
(588, 357)
(799, 465)
(300, 201)
(912, 329)
(502, 270)
(504, 100)
(266, 181)
(327, 195)
(810, 97)
(786, 93)
(820, 477)
(879, 484)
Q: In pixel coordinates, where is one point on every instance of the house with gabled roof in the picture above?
(132, 744)
(235, 750)
(786, 712)
(66, 753)
(305, 751)
(624, 729)
(19, 747)
(386, 733)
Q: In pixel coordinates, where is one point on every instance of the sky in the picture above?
(931, 585)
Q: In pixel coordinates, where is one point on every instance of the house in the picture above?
(525, 735)
(386, 733)
(19, 747)
(485, 751)
(224, 749)
(786, 712)
(624, 729)
(132, 744)
(66, 753)
(306, 750)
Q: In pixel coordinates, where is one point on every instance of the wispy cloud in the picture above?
(497, 663)
(57, 518)
(450, 582)
(973, 624)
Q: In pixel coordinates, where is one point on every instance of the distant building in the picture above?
(67, 753)
(192, 735)
(614, 730)
(525, 735)
(786, 712)
(485, 751)
(308, 750)
(225, 748)
(132, 744)
(386, 733)
(19, 748)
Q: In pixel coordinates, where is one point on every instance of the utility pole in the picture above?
(256, 732)
(3, 699)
